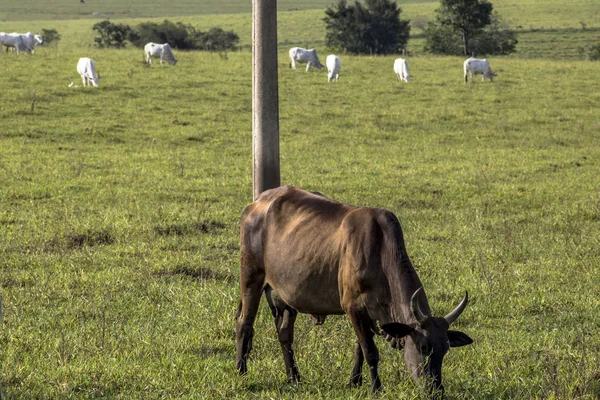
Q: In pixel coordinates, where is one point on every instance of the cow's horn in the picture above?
(454, 314)
(416, 308)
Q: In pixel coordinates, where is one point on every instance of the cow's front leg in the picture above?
(356, 377)
(362, 327)
(308, 64)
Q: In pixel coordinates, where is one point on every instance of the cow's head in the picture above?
(428, 341)
(39, 39)
(490, 75)
(95, 80)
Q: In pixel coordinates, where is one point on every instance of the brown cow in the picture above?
(313, 255)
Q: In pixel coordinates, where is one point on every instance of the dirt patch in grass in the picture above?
(200, 273)
(78, 240)
(190, 228)
(91, 238)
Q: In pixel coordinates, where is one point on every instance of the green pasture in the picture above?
(119, 213)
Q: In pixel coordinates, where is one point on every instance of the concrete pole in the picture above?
(265, 97)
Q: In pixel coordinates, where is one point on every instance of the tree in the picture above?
(374, 28)
(467, 17)
(111, 35)
(495, 38)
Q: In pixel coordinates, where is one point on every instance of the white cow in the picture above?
(86, 67)
(159, 50)
(300, 55)
(401, 69)
(476, 66)
(15, 41)
(334, 64)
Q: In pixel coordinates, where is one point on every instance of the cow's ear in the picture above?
(458, 339)
(397, 330)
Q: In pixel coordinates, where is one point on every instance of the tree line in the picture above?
(460, 27)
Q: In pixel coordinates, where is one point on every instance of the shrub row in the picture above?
(177, 34)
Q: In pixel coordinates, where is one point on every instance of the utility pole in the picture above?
(265, 97)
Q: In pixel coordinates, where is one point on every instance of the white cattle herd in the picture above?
(298, 55)
(86, 67)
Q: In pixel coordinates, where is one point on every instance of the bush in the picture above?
(182, 36)
(372, 29)
(50, 36)
(216, 39)
(178, 35)
(111, 35)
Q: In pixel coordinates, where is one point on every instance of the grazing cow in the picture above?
(313, 255)
(86, 67)
(401, 69)
(15, 41)
(31, 40)
(300, 55)
(28, 40)
(475, 66)
(159, 50)
(334, 64)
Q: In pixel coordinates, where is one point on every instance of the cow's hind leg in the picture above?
(285, 316)
(251, 287)
(362, 327)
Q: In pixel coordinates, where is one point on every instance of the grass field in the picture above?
(119, 206)
(119, 213)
